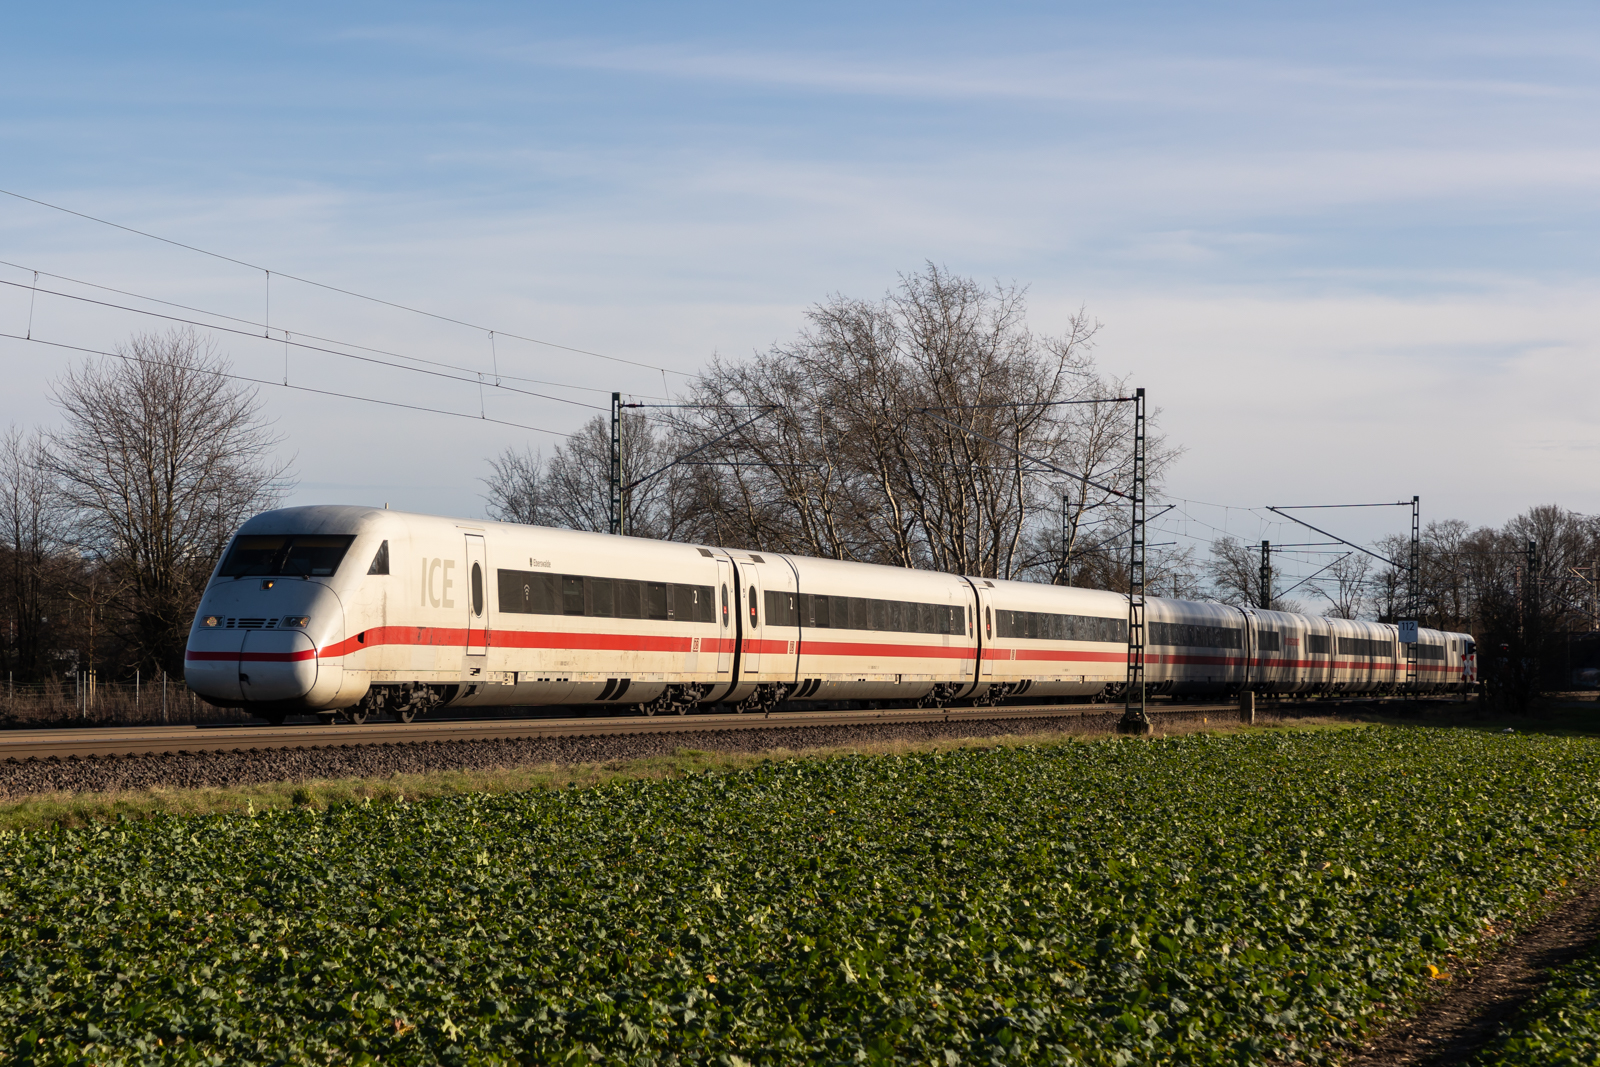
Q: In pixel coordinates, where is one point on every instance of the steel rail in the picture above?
(20, 745)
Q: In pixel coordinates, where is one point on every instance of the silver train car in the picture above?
(366, 612)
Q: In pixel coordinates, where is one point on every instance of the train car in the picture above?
(365, 611)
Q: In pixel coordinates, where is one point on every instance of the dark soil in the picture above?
(1468, 1016)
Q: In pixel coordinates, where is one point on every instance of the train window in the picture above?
(602, 598)
(988, 623)
(572, 594)
(754, 618)
(1434, 652)
(314, 557)
(516, 592)
(863, 613)
(1194, 635)
(547, 593)
(252, 556)
(628, 600)
(477, 589)
(780, 608)
(1267, 641)
(304, 557)
(1365, 647)
(691, 603)
(1048, 626)
(1317, 644)
(542, 593)
(725, 604)
(380, 562)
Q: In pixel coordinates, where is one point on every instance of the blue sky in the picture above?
(1350, 250)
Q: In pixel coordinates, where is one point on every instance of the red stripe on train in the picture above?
(251, 657)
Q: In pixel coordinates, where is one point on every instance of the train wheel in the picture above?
(405, 713)
(275, 718)
(356, 714)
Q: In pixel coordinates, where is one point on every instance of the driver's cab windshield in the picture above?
(292, 556)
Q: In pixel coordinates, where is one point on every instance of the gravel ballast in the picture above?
(22, 778)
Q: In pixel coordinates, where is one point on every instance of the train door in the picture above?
(477, 602)
(780, 604)
(974, 610)
(1249, 648)
(750, 667)
(727, 586)
(985, 637)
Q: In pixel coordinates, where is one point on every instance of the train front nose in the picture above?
(246, 649)
(276, 666)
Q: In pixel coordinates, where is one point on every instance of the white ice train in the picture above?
(366, 611)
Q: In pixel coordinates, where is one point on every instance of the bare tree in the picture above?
(572, 488)
(1235, 572)
(1173, 572)
(907, 431)
(516, 487)
(1446, 584)
(1347, 587)
(1235, 575)
(32, 534)
(161, 458)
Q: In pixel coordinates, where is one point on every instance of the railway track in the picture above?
(144, 740)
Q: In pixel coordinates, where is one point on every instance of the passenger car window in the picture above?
(477, 590)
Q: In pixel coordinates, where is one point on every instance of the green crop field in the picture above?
(1195, 900)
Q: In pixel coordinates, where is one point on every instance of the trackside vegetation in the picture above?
(1198, 900)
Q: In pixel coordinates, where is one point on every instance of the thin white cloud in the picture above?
(1048, 75)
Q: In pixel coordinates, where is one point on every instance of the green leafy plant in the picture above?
(1196, 900)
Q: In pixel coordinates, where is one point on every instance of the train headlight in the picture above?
(301, 621)
(212, 620)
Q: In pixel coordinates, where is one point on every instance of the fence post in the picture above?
(163, 696)
(1247, 707)
(136, 690)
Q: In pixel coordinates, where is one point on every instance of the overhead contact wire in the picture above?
(297, 388)
(344, 292)
(309, 348)
(302, 333)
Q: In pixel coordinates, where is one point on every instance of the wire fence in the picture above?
(81, 699)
